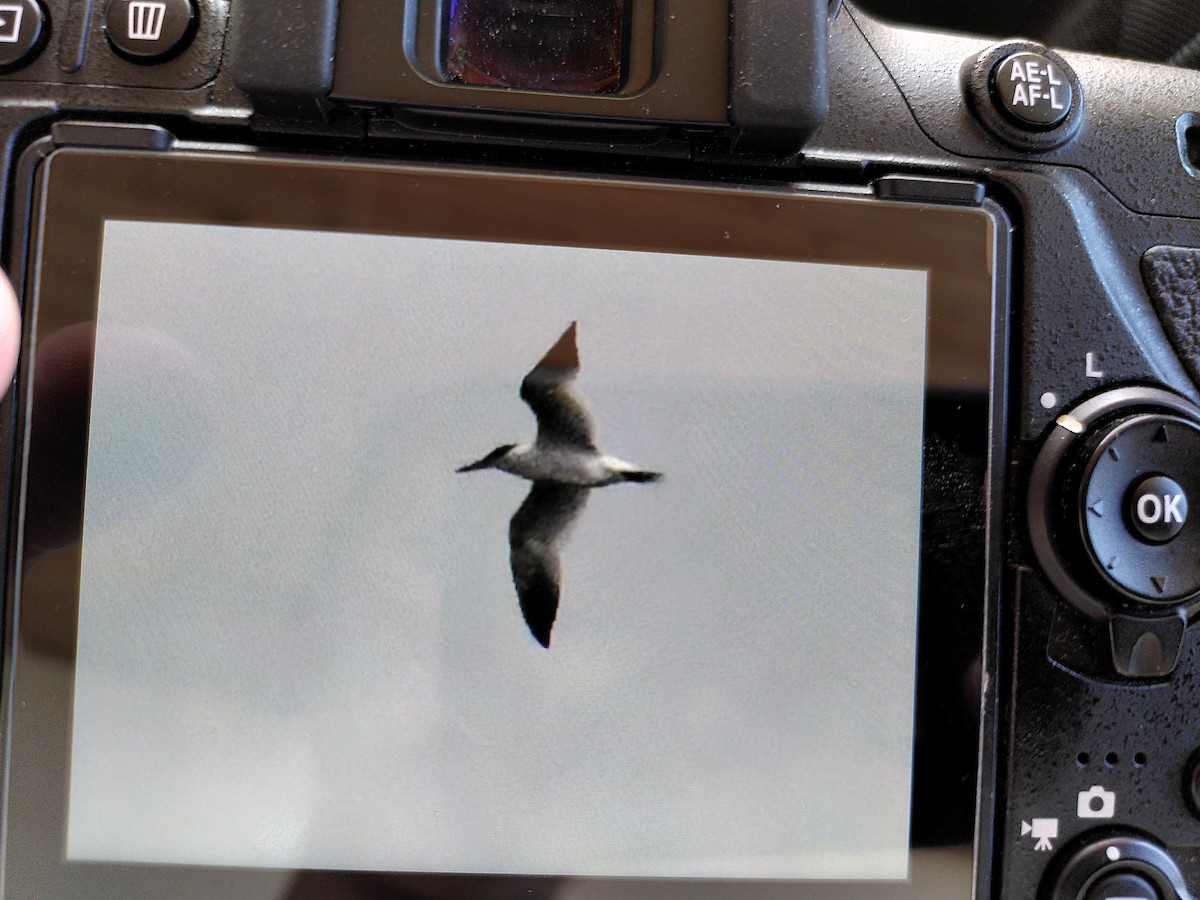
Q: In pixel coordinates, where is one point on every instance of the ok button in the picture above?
(1157, 509)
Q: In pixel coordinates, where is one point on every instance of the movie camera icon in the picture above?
(1041, 830)
(146, 21)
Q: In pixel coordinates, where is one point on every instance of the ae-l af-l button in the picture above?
(1025, 95)
(1033, 90)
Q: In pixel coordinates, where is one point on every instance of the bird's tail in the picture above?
(640, 477)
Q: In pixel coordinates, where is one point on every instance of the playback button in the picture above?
(149, 31)
(22, 32)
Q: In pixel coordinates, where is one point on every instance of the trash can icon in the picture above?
(146, 21)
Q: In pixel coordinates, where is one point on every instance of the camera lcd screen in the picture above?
(268, 483)
(395, 531)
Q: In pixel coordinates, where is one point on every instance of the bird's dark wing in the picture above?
(562, 419)
(534, 535)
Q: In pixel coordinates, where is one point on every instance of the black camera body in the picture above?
(1057, 690)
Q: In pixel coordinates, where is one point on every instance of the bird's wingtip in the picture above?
(640, 477)
(564, 355)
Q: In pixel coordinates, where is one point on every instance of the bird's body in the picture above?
(564, 465)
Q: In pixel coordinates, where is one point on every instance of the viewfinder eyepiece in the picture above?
(569, 46)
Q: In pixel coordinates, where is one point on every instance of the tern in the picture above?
(564, 465)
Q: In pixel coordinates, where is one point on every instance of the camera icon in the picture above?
(1097, 803)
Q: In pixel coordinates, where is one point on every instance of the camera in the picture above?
(840, 535)
(1097, 803)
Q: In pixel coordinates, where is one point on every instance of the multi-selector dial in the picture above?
(1111, 519)
(1133, 509)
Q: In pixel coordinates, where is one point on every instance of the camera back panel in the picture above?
(1055, 750)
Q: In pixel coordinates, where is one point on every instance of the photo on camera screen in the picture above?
(307, 640)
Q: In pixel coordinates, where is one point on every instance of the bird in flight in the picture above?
(564, 465)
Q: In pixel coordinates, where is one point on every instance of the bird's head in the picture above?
(489, 461)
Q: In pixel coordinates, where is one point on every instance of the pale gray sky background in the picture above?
(299, 643)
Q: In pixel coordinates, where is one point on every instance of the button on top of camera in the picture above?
(1032, 90)
(149, 30)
